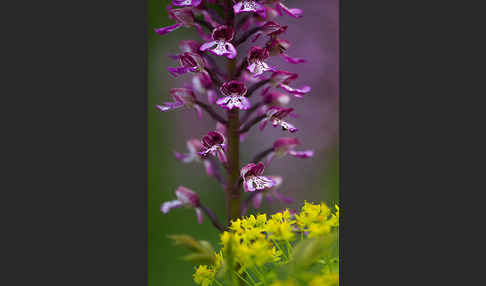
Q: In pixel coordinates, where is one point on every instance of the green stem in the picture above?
(243, 279)
(233, 195)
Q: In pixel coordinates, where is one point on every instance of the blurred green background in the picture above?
(166, 174)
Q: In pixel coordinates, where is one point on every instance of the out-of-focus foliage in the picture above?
(284, 249)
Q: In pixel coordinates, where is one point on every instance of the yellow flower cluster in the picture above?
(317, 219)
(204, 275)
(249, 242)
(257, 241)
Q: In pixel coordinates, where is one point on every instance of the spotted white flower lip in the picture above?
(234, 96)
(214, 143)
(221, 44)
(249, 6)
(256, 61)
(253, 179)
(276, 115)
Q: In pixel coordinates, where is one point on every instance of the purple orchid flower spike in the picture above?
(194, 147)
(249, 6)
(186, 3)
(190, 62)
(286, 146)
(275, 115)
(182, 97)
(202, 83)
(253, 179)
(234, 96)
(221, 44)
(185, 197)
(256, 61)
(282, 79)
(184, 17)
(214, 143)
(271, 193)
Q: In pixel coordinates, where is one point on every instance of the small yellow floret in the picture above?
(204, 275)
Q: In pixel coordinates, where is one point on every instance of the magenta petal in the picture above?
(232, 53)
(221, 156)
(198, 111)
(169, 106)
(302, 154)
(293, 12)
(180, 157)
(207, 45)
(168, 29)
(175, 72)
(167, 206)
(208, 166)
(211, 96)
(199, 215)
(292, 60)
(296, 91)
(283, 198)
(257, 200)
(237, 7)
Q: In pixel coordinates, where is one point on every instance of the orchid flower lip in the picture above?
(253, 179)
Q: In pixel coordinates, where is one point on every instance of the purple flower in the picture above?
(286, 146)
(213, 143)
(194, 147)
(184, 17)
(185, 197)
(271, 193)
(249, 6)
(277, 46)
(190, 62)
(182, 97)
(256, 58)
(271, 29)
(275, 115)
(253, 179)
(186, 3)
(221, 44)
(282, 79)
(234, 96)
(202, 83)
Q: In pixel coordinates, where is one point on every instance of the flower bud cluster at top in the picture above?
(230, 91)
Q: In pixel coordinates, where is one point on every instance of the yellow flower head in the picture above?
(204, 276)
